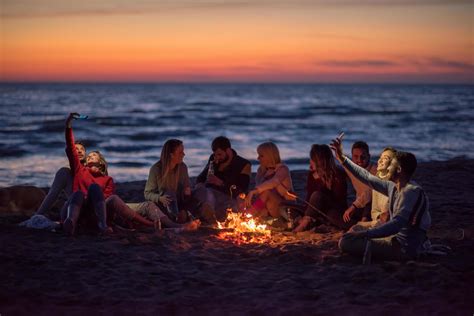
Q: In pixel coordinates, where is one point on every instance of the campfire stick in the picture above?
(293, 195)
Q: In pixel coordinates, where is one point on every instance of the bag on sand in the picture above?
(40, 222)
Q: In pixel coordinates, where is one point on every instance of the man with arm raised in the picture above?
(403, 235)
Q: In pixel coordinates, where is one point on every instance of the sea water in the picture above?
(129, 123)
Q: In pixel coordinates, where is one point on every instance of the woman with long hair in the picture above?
(273, 181)
(168, 183)
(325, 190)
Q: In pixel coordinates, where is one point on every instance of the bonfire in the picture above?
(243, 228)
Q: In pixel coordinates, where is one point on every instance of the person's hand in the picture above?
(165, 200)
(348, 214)
(336, 146)
(384, 217)
(70, 118)
(212, 179)
(249, 197)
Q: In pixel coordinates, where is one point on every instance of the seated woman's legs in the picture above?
(96, 200)
(116, 207)
(272, 202)
(75, 203)
(310, 215)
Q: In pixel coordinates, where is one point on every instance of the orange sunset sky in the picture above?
(237, 41)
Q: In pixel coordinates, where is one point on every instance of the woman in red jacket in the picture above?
(91, 186)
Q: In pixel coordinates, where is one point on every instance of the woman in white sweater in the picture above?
(379, 212)
(273, 181)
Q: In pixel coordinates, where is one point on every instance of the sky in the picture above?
(348, 41)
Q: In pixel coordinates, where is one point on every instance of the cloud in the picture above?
(426, 63)
(423, 64)
(359, 63)
(52, 8)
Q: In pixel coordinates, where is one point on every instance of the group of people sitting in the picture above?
(389, 210)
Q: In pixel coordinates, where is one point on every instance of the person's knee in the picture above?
(77, 197)
(64, 172)
(112, 200)
(344, 243)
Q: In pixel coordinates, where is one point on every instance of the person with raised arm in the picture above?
(402, 237)
(91, 186)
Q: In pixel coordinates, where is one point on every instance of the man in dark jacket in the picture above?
(225, 176)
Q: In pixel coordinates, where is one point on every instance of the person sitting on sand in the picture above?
(403, 236)
(145, 214)
(91, 186)
(225, 176)
(379, 211)
(360, 207)
(326, 190)
(273, 182)
(168, 184)
(62, 182)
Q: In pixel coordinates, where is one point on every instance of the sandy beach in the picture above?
(43, 272)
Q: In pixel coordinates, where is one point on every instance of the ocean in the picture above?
(130, 122)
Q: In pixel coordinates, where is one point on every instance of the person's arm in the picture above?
(366, 177)
(280, 175)
(363, 175)
(406, 204)
(71, 150)
(388, 229)
(109, 188)
(152, 190)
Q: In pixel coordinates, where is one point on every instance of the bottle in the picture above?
(210, 170)
(290, 219)
(190, 216)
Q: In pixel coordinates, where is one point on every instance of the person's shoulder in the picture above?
(183, 166)
(283, 167)
(413, 187)
(241, 159)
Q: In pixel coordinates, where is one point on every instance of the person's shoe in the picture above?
(69, 227)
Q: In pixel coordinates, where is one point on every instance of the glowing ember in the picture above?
(242, 228)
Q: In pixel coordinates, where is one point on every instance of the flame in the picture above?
(244, 229)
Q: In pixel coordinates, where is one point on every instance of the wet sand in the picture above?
(196, 272)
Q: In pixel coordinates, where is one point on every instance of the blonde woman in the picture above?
(168, 183)
(386, 165)
(273, 181)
